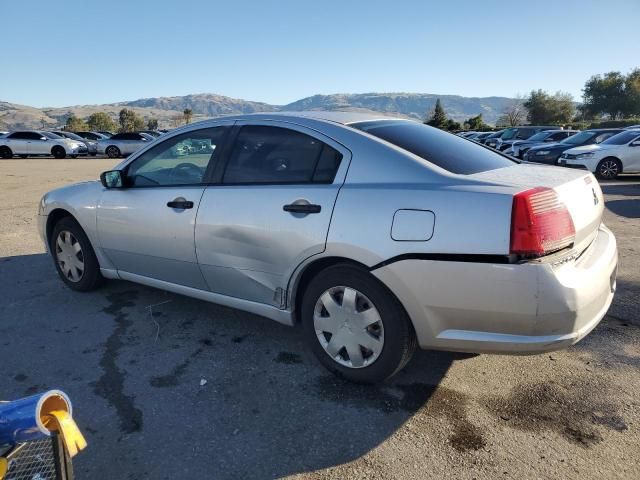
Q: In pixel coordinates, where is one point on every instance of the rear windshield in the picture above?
(448, 151)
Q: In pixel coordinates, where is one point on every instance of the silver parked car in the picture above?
(375, 234)
(92, 147)
(30, 143)
(123, 144)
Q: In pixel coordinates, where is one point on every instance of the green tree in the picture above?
(438, 118)
(75, 124)
(101, 121)
(130, 121)
(452, 125)
(476, 123)
(607, 95)
(543, 108)
(152, 124)
(187, 114)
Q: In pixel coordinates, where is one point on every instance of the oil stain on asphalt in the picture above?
(172, 378)
(426, 399)
(573, 411)
(110, 385)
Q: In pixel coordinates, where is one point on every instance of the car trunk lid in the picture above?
(577, 189)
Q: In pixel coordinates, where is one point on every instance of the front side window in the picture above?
(263, 154)
(443, 149)
(19, 135)
(180, 160)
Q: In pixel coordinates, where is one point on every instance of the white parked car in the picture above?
(616, 155)
(92, 146)
(27, 143)
(124, 144)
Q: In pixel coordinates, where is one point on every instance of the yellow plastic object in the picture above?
(4, 466)
(60, 421)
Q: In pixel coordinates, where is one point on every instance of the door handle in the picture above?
(180, 203)
(302, 208)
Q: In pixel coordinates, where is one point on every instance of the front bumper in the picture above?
(524, 308)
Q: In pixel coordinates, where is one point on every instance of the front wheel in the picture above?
(113, 151)
(356, 328)
(58, 152)
(608, 168)
(74, 257)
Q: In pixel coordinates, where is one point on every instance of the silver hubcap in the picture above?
(609, 168)
(348, 327)
(69, 255)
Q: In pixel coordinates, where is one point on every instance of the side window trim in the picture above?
(218, 178)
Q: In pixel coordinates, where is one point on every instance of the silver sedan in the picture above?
(377, 235)
(123, 144)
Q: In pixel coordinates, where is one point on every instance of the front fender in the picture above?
(80, 200)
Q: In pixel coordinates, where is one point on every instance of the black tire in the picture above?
(609, 168)
(91, 277)
(58, 152)
(112, 151)
(399, 336)
(6, 153)
(24, 156)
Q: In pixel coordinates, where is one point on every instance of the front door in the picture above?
(270, 209)
(147, 228)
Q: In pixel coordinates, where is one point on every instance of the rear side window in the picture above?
(443, 149)
(263, 154)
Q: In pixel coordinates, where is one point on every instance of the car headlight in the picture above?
(543, 152)
(585, 155)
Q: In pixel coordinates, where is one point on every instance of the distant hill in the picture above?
(168, 110)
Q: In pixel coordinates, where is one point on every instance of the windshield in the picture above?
(622, 138)
(73, 136)
(538, 137)
(51, 135)
(443, 149)
(509, 133)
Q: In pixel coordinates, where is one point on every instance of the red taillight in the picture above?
(540, 223)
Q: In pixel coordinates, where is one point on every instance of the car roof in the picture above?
(344, 118)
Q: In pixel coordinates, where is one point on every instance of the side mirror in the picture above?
(111, 179)
(43, 138)
(635, 143)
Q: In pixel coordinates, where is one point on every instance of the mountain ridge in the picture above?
(168, 109)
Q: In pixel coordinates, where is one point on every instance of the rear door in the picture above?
(270, 208)
(18, 142)
(631, 156)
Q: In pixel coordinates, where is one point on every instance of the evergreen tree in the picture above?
(439, 118)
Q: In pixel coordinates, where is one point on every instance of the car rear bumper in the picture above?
(524, 308)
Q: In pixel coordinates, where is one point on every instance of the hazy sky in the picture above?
(69, 52)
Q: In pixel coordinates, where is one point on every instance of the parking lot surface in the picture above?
(166, 386)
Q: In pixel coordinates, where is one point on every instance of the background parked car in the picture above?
(491, 140)
(620, 153)
(520, 147)
(513, 134)
(550, 153)
(27, 143)
(123, 144)
(95, 136)
(92, 147)
(153, 133)
(106, 133)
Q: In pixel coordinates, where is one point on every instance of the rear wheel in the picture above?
(355, 326)
(5, 152)
(58, 152)
(609, 168)
(113, 151)
(74, 257)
